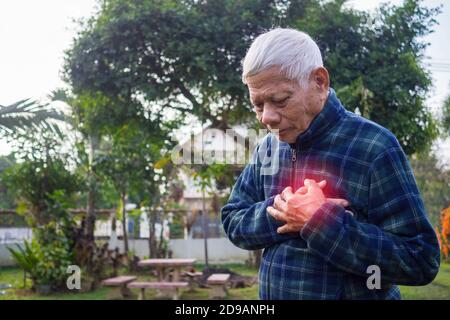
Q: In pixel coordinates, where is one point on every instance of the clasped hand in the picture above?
(297, 208)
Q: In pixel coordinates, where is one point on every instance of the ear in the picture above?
(320, 79)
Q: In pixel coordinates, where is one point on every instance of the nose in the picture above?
(270, 117)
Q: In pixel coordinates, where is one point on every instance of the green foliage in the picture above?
(94, 113)
(135, 216)
(55, 255)
(27, 257)
(356, 94)
(45, 261)
(12, 220)
(217, 176)
(179, 55)
(446, 116)
(127, 159)
(45, 189)
(41, 180)
(375, 63)
(176, 226)
(6, 194)
(186, 56)
(25, 115)
(38, 183)
(433, 183)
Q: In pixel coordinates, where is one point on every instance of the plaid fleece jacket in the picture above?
(385, 225)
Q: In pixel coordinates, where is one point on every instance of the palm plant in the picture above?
(27, 114)
(27, 257)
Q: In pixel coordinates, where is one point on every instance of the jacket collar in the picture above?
(331, 113)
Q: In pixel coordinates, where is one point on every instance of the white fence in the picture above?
(11, 237)
(14, 235)
(220, 250)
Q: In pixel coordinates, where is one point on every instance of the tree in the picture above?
(6, 194)
(40, 178)
(153, 191)
(25, 115)
(433, 183)
(92, 114)
(375, 63)
(186, 56)
(45, 189)
(128, 158)
(89, 116)
(122, 139)
(446, 116)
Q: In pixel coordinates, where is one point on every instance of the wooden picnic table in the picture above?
(164, 265)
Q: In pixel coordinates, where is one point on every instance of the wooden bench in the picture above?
(172, 287)
(218, 283)
(192, 278)
(119, 284)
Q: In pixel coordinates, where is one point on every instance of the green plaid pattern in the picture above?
(386, 224)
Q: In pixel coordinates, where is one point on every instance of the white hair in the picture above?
(293, 51)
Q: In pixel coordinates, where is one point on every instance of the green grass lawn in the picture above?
(438, 289)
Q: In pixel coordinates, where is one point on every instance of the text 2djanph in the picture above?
(226, 309)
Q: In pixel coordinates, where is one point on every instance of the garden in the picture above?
(439, 289)
(140, 77)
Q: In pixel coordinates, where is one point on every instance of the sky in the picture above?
(35, 34)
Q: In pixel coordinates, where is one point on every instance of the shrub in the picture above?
(444, 234)
(46, 261)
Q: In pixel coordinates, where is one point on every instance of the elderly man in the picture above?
(343, 205)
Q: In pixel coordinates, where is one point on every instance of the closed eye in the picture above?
(281, 102)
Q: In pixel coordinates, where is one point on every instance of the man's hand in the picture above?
(297, 208)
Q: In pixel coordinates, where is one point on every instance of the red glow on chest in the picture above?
(317, 170)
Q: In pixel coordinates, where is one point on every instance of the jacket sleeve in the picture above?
(398, 237)
(245, 219)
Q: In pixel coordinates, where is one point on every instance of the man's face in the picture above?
(282, 104)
